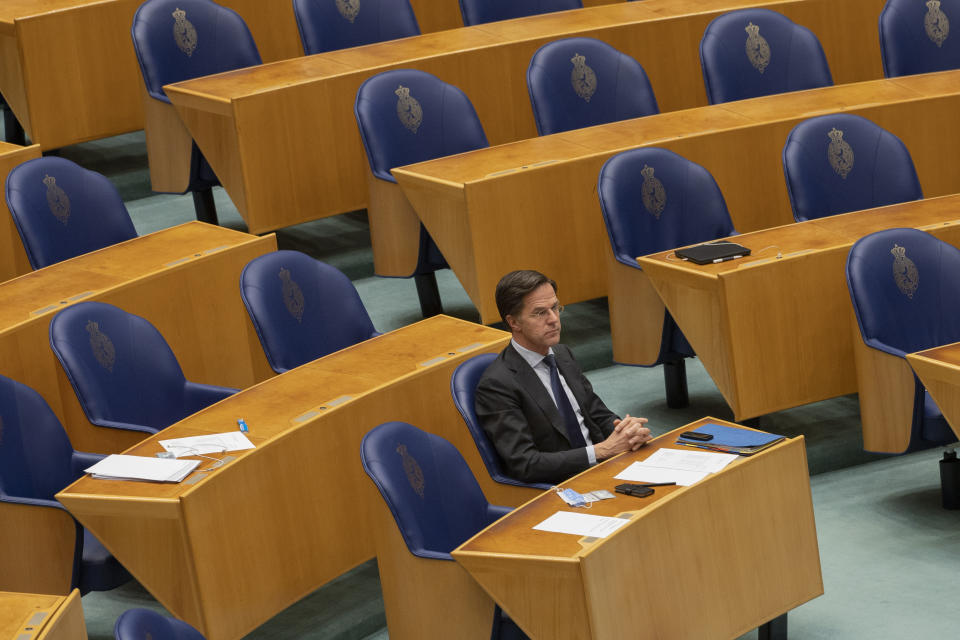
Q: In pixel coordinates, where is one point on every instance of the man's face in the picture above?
(537, 325)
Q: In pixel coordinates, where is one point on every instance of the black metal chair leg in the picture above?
(675, 382)
(204, 205)
(776, 629)
(13, 132)
(429, 294)
(950, 479)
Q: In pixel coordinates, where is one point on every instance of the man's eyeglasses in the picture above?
(541, 314)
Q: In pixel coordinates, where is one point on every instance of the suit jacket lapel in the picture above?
(530, 382)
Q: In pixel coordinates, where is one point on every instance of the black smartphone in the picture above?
(696, 435)
(636, 490)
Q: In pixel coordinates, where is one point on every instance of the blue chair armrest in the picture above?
(113, 424)
(82, 460)
(873, 343)
(432, 555)
(502, 479)
(630, 261)
(495, 512)
(32, 502)
(199, 396)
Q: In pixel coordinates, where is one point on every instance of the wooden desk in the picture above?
(29, 616)
(309, 163)
(545, 188)
(13, 257)
(775, 334)
(439, 15)
(939, 371)
(183, 279)
(712, 560)
(227, 550)
(79, 53)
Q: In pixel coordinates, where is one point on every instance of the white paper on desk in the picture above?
(638, 472)
(702, 461)
(581, 524)
(123, 467)
(212, 443)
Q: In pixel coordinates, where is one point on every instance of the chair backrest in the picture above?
(905, 289)
(653, 200)
(480, 11)
(35, 452)
(144, 624)
(407, 116)
(427, 485)
(581, 82)
(62, 210)
(758, 52)
(121, 368)
(841, 162)
(301, 308)
(179, 40)
(915, 36)
(327, 25)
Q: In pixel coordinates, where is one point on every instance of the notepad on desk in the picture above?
(123, 467)
(744, 442)
(211, 443)
(670, 465)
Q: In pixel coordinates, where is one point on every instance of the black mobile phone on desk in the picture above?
(636, 490)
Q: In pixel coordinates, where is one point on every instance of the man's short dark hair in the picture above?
(514, 286)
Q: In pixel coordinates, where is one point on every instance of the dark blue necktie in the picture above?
(563, 404)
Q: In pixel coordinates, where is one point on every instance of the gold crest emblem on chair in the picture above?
(102, 346)
(905, 273)
(839, 153)
(349, 9)
(292, 295)
(652, 191)
(936, 23)
(583, 79)
(184, 32)
(757, 47)
(412, 468)
(57, 200)
(408, 109)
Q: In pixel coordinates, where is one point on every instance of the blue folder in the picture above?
(732, 436)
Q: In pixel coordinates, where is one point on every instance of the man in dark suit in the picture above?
(540, 438)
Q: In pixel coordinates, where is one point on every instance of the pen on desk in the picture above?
(725, 259)
(243, 425)
(658, 484)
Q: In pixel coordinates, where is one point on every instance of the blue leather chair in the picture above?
(301, 308)
(463, 388)
(178, 40)
(654, 200)
(841, 162)
(481, 11)
(144, 624)
(325, 25)
(122, 370)
(61, 210)
(905, 289)
(436, 504)
(407, 116)
(758, 52)
(581, 82)
(37, 461)
(915, 36)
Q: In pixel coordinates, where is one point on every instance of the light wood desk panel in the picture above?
(68, 70)
(13, 257)
(31, 616)
(546, 188)
(309, 162)
(185, 280)
(740, 544)
(775, 333)
(939, 371)
(228, 550)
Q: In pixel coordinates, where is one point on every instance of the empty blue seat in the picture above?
(654, 200)
(915, 36)
(905, 288)
(123, 371)
(144, 624)
(178, 40)
(50, 552)
(463, 387)
(62, 210)
(325, 25)
(480, 11)
(841, 162)
(581, 82)
(758, 52)
(301, 308)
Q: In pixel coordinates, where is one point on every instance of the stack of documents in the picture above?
(672, 465)
(743, 442)
(123, 467)
(581, 524)
(211, 443)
